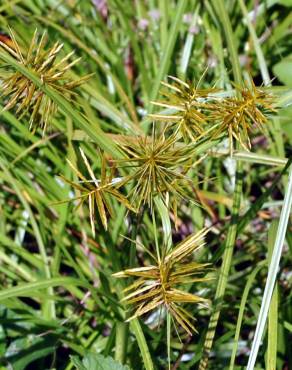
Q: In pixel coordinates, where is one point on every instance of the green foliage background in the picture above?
(58, 298)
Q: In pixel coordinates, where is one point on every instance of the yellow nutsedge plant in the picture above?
(153, 167)
(158, 285)
(157, 168)
(187, 102)
(22, 93)
(97, 191)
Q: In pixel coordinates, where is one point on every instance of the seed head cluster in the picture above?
(155, 167)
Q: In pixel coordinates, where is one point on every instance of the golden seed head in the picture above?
(188, 117)
(158, 285)
(240, 114)
(157, 168)
(22, 93)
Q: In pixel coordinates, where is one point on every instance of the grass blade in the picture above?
(271, 358)
(27, 290)
(232, 231)
(167, 52)
(243, 301)
(272, 274)
(256, 44)
(136, 329)
(48, 307)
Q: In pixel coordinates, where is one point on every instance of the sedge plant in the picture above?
(150, 168)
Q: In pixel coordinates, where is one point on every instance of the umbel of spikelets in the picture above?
(238, 116)
(21, 93)
(187, 103)
(194, 113)
(159, 285)
(156, 168)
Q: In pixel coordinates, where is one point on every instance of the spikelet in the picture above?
(22, 94)
(157, 168)
(158, 285)
(239, 115)
(188, 103)
(97, 192)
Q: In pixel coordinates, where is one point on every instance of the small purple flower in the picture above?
(187, 18)
(194, 30)
(101, 7)
(212, 61)
(143, 24)
(154, 14)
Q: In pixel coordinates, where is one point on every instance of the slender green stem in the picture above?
(122, 330)
(168, 335)
(167, 244)
(166, 225)
(167, 52)
(271, 353)
(243, 301)
(252, 157)
(122, 334)
(137, 330)
(232, 231)
(155, 237)
(256, 44)
(224, 272)
(220, 6)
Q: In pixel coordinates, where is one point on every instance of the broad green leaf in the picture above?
(283, 70)
(94, 361)
(285, 116)
(23, 351)
(285, 2)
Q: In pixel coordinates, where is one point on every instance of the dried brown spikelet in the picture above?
(157, 285)
(21, 93)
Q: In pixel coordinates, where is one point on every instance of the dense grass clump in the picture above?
(146, 187)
